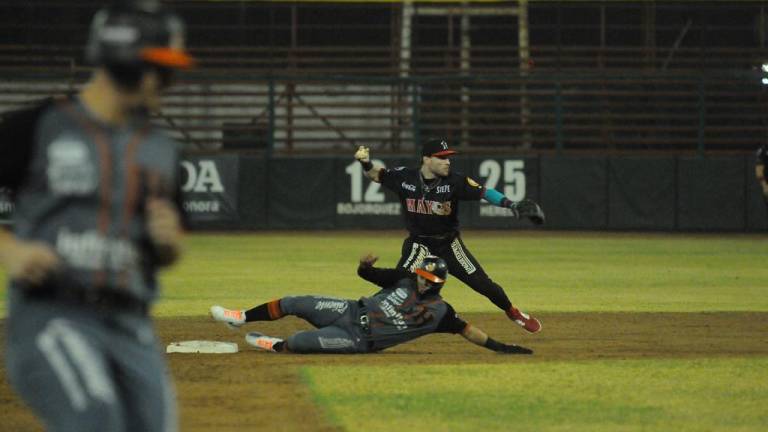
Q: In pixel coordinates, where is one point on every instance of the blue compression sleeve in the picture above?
(494, 197)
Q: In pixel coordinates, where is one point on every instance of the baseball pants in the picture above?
(461, 264)
(82, 371)
(336, 321)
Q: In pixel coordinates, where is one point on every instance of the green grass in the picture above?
(628, 395)
(540, 271)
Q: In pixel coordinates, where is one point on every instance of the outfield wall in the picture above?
(675, 193)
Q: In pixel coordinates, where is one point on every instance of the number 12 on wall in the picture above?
(373, 193)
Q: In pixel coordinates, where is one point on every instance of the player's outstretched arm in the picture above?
(480, 338)
(363, 155)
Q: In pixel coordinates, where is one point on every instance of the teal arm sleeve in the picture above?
(495, 197)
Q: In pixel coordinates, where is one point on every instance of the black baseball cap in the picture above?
(436, 147)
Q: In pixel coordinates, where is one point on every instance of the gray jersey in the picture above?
(83, 191)
(397, 314)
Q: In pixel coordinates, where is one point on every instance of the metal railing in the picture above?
(538, 112)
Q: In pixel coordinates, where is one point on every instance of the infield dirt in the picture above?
(254, 390)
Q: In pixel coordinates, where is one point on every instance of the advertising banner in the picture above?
(210, 189)
(576, 192)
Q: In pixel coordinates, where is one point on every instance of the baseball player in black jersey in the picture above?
(407, 307)
(760, 173)
(95, 187)
(430, 197)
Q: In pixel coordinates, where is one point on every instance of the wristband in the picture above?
(367, 165)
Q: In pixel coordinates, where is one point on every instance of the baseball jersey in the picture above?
(398, 314)
(430, 207)
(79, 186)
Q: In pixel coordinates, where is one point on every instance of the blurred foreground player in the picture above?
(95, 187)
(407, 307)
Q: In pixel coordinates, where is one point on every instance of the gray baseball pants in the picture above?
(337, 322)
(80, 370)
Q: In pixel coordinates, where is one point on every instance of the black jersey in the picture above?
(430, 208)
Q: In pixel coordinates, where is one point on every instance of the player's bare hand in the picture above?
(164, 229)
(368, 259)
(29, 262)
(363, 154)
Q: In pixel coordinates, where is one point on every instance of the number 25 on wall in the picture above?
(514, 177)
(373, 192)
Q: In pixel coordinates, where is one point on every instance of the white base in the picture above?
(202, 347)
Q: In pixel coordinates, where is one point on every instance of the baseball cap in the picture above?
(436, 147)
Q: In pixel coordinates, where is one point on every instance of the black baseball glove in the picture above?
(503, 348)
(514, 349)
(528, 208)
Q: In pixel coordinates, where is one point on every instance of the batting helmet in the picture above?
(435, 270)
(136, 33)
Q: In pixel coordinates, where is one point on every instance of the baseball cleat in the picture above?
(262, 342)
(529, 323)
(232, 318)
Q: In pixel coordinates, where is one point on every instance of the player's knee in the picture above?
(299, 343)
(288, 304)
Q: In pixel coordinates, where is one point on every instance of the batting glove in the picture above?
(363, 154)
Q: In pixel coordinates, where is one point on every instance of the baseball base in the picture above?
(202, 347)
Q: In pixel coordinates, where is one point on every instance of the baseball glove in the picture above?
(530, 209)
(514, 349)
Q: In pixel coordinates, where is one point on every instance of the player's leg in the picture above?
(330, 339)
(144, 381)
(463, 265)
(317, 310)
(65, 377)
(412, 254)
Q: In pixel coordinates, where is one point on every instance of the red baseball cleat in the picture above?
(525, 321)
